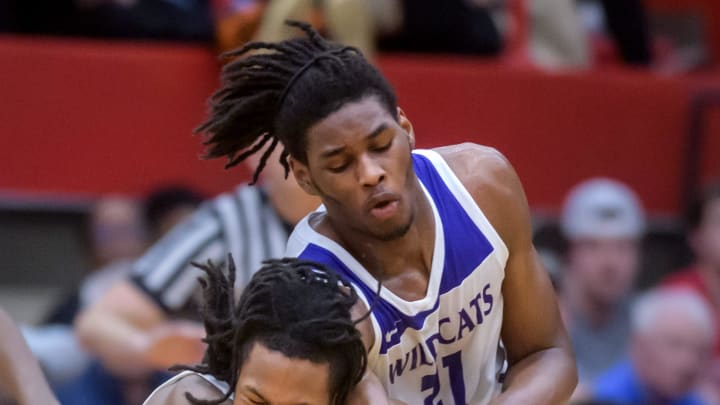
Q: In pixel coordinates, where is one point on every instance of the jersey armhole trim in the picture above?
(220, 386)
(172, 381)
(465, 199)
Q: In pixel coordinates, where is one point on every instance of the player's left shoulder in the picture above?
(484, 171)
(492, 182)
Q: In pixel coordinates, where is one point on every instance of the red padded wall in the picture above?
(92, 117)
(96, 117)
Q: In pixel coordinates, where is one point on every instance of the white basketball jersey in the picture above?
(220, 385)
(443, 349)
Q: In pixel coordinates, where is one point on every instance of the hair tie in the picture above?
(326, 54)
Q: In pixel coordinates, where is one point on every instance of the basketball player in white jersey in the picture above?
(446, 232)
(289, 340)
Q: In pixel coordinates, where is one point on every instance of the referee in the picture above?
(150, 320)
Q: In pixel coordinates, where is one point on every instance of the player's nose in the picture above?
(369, 171)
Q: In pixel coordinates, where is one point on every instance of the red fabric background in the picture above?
(93, 117)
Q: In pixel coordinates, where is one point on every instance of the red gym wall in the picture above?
(92, 117)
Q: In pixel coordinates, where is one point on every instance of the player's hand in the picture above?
(176, 342)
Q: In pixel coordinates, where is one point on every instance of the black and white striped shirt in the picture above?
(243, 223)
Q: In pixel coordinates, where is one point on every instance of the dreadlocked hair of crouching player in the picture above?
(272, 97)
(298, 308)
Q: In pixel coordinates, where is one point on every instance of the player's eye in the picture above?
(254, 401)
(338, 168)
(383, 146)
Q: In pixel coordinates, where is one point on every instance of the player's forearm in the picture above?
(118, 343)
(117, 327)
(545, 377)
(37, 393)
(20, 372)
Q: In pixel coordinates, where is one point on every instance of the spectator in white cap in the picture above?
(604, 223)
(671, 344)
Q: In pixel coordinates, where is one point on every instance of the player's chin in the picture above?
(392, 230)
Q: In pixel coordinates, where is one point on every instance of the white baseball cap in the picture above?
(602, 208)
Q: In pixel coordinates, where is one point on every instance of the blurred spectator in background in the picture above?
(116, 235)
(119, 230)
(703, 277)
(673, 333)
(622, 22)
(149, 322)
(21, 380)
(236, 21)
(603, 222)
(552, 34)
(450, 26)
(557, 37)
(116, 229)
(584, 33)
(162, 209)
(346, 21)
(351, 22)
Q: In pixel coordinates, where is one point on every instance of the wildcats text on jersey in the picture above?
(451, 329)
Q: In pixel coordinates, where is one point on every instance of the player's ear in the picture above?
(407, 126)
(302, 176)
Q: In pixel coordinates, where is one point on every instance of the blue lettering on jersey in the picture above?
(449, 331)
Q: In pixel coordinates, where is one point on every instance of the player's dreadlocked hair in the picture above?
(275, 96)
(296, 307)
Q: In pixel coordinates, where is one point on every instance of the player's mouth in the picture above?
(383, 205)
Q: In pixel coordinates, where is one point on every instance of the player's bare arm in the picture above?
(542, 367)
(130, 332)
(20, 373)
(370, 390)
